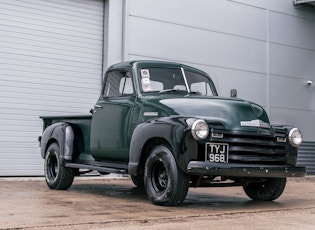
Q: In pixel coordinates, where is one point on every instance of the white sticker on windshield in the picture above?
(145, 73)
(145, 80)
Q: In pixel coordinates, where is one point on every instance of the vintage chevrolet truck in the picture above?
(164, 124)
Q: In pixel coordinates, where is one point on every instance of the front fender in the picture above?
(63, 134)
(292, 152)
(172, 130)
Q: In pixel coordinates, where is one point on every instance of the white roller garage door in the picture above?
(50, 64)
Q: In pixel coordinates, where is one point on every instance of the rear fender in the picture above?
(63, 134)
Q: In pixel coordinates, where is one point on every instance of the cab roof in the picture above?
(149, 63)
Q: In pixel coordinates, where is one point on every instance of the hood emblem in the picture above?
(255, 123)
(150, 114)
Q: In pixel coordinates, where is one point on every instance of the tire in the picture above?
(268, 190)
(164, 182)
(138, 181)
(57, 176)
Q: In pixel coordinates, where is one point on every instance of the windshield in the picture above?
(163, 80)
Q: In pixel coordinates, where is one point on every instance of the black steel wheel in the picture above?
(164, 182)
(267, 189)
(57, 176)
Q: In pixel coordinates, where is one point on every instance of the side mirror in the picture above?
(233, 93)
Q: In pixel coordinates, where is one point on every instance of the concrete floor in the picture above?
(115, 203)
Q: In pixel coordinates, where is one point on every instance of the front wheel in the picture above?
(138, 181)
(57, 176)
(165, 183)
(267, 189)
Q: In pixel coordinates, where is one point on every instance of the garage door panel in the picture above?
(48, 94)
(49, 42)
(43, 67)
(50, 29)
(44, 33)
(25, 86)
(58, 9)
(51, 64)
(34, 50)
(88, 78)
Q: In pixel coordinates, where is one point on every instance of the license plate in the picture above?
(217, 152)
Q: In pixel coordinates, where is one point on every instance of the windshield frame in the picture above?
(183, 69)
(185, 79)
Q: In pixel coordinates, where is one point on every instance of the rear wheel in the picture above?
(164, 182)
(57, 176)
(266, 190)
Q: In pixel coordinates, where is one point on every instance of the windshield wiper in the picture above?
(196, 92)
(172, 90)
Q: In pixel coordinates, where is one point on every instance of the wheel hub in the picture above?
(160, 176)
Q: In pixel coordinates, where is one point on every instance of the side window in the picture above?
(201, 87)
(199, 83)
(126, 87)
(118, 83)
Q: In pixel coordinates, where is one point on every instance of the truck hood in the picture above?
(234, 114)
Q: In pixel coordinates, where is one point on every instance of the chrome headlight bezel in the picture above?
(295, 137)
(200, 129)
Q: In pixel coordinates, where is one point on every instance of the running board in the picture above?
(96, 168)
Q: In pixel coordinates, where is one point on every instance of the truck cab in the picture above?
(164, 124)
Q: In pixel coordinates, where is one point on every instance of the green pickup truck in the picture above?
(164, 124)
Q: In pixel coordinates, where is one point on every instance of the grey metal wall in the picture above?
(50, 63)
(263, 48)
(225, 38)
(292, 64)
(307, 157)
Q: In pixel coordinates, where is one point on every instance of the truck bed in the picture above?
(83, 122)
(74, 119)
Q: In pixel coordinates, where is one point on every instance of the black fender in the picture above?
(63, 134)
(292, 152)
(173, 131)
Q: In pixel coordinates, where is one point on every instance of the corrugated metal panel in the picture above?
(306, 157)
(51, 63)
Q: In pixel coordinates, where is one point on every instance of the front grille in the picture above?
(254, 148)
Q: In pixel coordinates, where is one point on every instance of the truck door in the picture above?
(112, 124)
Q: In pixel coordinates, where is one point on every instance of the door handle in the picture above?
(93, 110)
(98, 106)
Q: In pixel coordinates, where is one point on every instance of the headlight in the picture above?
(295, 137)
(200, 129)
